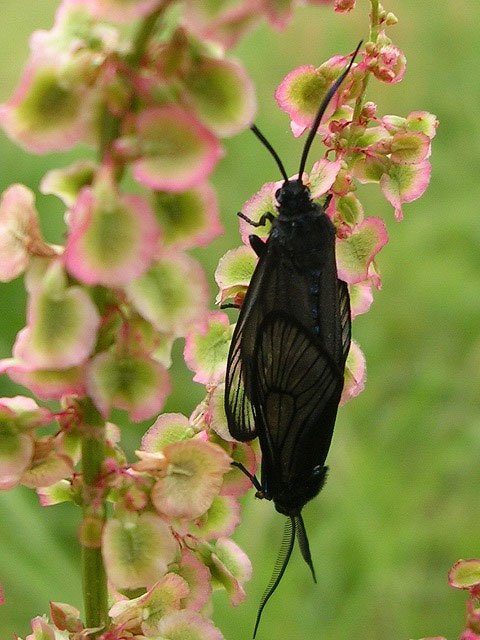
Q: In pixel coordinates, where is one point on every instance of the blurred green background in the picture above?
(401, 503)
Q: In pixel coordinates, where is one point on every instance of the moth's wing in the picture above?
(238, 379)
(345, 317)
(298, 387)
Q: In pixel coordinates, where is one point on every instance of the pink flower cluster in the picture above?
(175, 509)
(104, 310)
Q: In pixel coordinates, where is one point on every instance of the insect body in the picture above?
(287, 358)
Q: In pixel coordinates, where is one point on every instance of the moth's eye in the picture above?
(278, 193)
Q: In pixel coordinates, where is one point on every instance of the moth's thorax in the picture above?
(302, 230)
(293, 199)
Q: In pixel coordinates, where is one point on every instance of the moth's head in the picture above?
(293, 194)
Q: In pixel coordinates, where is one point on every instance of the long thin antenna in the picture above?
(321, 112)
(275, 155)
(280, 565)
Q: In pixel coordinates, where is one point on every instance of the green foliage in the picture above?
(401, 501)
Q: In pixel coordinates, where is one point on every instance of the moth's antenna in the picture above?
(267, 144)
(280, 565)
(303, 544)
(321, 111)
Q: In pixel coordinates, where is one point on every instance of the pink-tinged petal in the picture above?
(65, 617)
(172, 294)
(322, 176)
(344, 6)
(16, 449)
(254, 208)
(300, 93)
(343, 184)
(468, 634)
(155, 464)
(390, 62)
(178, 152)
(235, 482)
(356, 251)
(167, 428)
(394, 124)
(297, 129)
(410, 147)
(112, 239)
(374, 276)
(374, 140)
(67, 183)
(225, 26)
(369, 168)
(62, 324)
(46, 113)
(234, 272)
(142, 336)
(69, 441)
(143, 614)
(47, 471)
(422, 121)
(206, 348)
(56, 493)
(193, 480)
(361, 298)
(19, 230)
(28, 414)
(44, 383)
(136, 383)
(355, 374)
(122, 10)
(216, 417)
(188, 219)
(405, 183)
(187, 624)
(197, 577)
(74, 30)
(222, 518)
(231, 567)
(41, 630)
(8, 482)
(137, 549)
(349, 209)
(221, 94)
(465, 574)
(279, 12)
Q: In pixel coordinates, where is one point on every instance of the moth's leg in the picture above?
(328, 199)
(251, 477)
(261, 223)
(229, 305)
(257, 245)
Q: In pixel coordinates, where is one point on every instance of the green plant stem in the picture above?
(374, 20)
(93, 572)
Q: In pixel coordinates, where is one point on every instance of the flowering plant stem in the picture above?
(93, 571)
(374, 20)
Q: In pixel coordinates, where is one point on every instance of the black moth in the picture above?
(287, 358)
